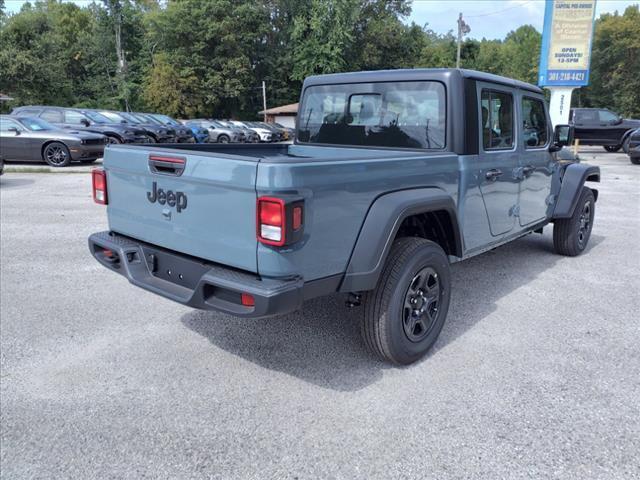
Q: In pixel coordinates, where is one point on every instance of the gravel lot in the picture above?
(536, 373)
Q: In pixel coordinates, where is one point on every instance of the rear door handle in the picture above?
(493, 174)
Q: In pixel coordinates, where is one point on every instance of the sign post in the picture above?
(566, 52)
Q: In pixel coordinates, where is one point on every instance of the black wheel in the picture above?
(612, 148)
(56, 154)
(635, 160)
(151, 139)
(113, 140)
(223, 139)
(571, 235)
(405, 313)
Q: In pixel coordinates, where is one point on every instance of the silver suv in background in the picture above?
(250, 136)
(265, 134)
(218, 133)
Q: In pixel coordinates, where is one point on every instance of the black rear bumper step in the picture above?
(192, 281)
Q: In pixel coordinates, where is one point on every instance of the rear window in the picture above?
(397, 115)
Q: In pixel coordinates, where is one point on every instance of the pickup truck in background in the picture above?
(393, 176)
(599, 126)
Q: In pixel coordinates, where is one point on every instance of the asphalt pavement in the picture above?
(536, 373)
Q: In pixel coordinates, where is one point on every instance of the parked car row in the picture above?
(60, 135)
(236, 131)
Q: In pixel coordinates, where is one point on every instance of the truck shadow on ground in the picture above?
(321, 343)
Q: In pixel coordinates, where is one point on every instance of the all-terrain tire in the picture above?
(571, 235)
(386, 328)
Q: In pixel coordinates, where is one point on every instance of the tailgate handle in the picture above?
(167, 165)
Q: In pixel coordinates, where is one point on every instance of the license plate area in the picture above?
(177, 269)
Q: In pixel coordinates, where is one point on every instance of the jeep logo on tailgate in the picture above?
(171, 198)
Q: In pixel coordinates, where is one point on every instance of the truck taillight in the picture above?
(272, 228)
(99, 181)
(279, 222)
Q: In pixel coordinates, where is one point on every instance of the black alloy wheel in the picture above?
(56, 154)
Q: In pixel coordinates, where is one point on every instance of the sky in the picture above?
(487, 18)
(492, 19)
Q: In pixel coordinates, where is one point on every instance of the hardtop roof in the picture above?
(414, 74)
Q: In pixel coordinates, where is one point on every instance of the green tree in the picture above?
(615, 64)
(322, 36)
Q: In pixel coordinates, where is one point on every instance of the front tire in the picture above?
(223, 139)
(635, 160)
(571, 235)
(405, 313)
(56, 154)
(113, 140)
(612, 148)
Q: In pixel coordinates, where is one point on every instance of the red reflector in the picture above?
(297, 218)
(99, 182)
(108, 253)
(247, 300)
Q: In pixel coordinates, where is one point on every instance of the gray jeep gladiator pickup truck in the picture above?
(393, 176)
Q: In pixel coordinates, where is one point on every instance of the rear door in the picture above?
(536, 163)
(586, 125)
(498, 159)
(195, 203)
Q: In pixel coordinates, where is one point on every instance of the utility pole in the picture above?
(264, 100)
(463, 29)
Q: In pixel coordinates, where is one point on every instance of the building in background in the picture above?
(284, 115)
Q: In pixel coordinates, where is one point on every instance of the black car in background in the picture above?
(156, 133)
(183, 133)
(33, 139)
(632, 147)
(85, 119)
(599, 126)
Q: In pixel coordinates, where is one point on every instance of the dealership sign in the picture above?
(566, 43)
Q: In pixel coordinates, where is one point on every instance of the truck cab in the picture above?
(393, 176)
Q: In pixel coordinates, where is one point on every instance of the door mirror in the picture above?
(617, 121)
(562, 136)
(85, 122)
(14, 130)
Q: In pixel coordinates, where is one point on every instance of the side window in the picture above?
(606, 116)
(52, 116)
(6, 124)
(497, 120)
(28, 112)
(586, 116)
(72, 117)
(534, 123)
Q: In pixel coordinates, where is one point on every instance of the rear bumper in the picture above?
(194, 282)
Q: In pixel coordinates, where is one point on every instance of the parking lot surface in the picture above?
(536, 373)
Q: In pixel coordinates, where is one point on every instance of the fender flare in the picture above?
(380, 227)
(574, 178)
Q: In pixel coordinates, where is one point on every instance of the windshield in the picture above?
(128, 117)
(219, 124)
(149, 119)
(114, 117)
(165, 120)
(398, 115)
(98, 117)
(37, 124)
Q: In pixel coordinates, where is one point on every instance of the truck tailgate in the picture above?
(206, 210)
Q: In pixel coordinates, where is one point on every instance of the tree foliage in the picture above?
(209, 57)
